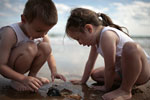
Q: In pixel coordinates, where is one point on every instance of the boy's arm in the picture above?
(90, 64)
(50, 60)
(7, 41)
(52, 63)
(108, 43)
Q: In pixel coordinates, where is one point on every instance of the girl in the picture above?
(124, 59)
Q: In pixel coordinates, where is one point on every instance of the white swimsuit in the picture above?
(21, 37)
(123, 38)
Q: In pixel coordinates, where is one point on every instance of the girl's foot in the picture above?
(19, 87)
(118, 94)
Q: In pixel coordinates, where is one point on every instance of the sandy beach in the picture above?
(71, 92)
(70, 60)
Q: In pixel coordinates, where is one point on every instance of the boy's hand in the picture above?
(57, 76)
(32, 83)
(76, 82)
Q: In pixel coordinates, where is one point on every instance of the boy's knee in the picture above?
(32, 49)
(45, 48)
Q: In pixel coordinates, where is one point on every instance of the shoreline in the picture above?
(79, 92)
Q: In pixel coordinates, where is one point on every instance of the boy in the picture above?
(25, 47)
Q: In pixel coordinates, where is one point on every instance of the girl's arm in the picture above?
(90, 64)
(108, 44)
(52, 63)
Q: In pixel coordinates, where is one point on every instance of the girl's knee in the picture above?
(45, 48)
(131, 49)
(93, 75)
(97, 73)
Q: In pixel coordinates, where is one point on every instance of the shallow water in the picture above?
(71, 92)
(70, 59)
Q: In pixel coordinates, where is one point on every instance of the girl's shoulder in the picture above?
(109, 31)
(118, 32)
(109, 34)
(108, 28)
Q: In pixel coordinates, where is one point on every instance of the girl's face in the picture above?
(85, 39)
(36, 29)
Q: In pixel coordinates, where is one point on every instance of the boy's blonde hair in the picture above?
(42, 9)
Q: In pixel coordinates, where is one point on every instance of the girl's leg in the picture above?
(135, 69)
(98, 75)
(44, 51)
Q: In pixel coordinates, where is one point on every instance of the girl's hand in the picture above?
(76, 82)
(57, 76)
(32, 83)
(100, 88)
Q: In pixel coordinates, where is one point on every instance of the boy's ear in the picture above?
(89, 28)
(23, 19)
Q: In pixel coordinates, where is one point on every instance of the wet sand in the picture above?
(70, 61)
(69, 92)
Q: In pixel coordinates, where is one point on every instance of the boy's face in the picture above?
(36, 29)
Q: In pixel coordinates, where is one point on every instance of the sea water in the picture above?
(71, 57)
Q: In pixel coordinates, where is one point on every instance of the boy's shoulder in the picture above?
(8, 33)
(6, 30)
